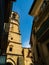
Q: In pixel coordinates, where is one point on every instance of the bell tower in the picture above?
(14, 48)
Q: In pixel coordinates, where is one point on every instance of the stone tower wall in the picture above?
(14, 48)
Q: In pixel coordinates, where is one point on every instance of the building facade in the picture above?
(40, 32)
(27, 55)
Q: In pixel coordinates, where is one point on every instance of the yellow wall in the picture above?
(16, 37)
(27, 60)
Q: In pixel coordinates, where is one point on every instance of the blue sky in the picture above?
(22, 7)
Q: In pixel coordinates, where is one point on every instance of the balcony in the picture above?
(44, 28)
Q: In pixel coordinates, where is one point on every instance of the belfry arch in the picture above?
(8, 63)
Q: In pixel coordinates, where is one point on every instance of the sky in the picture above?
(22, 7)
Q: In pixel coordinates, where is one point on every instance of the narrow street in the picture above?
(24, 32)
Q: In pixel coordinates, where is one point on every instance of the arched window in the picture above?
(10, 48)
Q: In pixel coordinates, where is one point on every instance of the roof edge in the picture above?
(32, 7)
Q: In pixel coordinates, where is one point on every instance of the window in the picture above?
(11, 38)
(10, 47)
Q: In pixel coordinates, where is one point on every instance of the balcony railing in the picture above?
(43, 28)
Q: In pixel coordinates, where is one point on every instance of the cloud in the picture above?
(26, 44)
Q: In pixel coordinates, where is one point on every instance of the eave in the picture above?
(35, 7)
